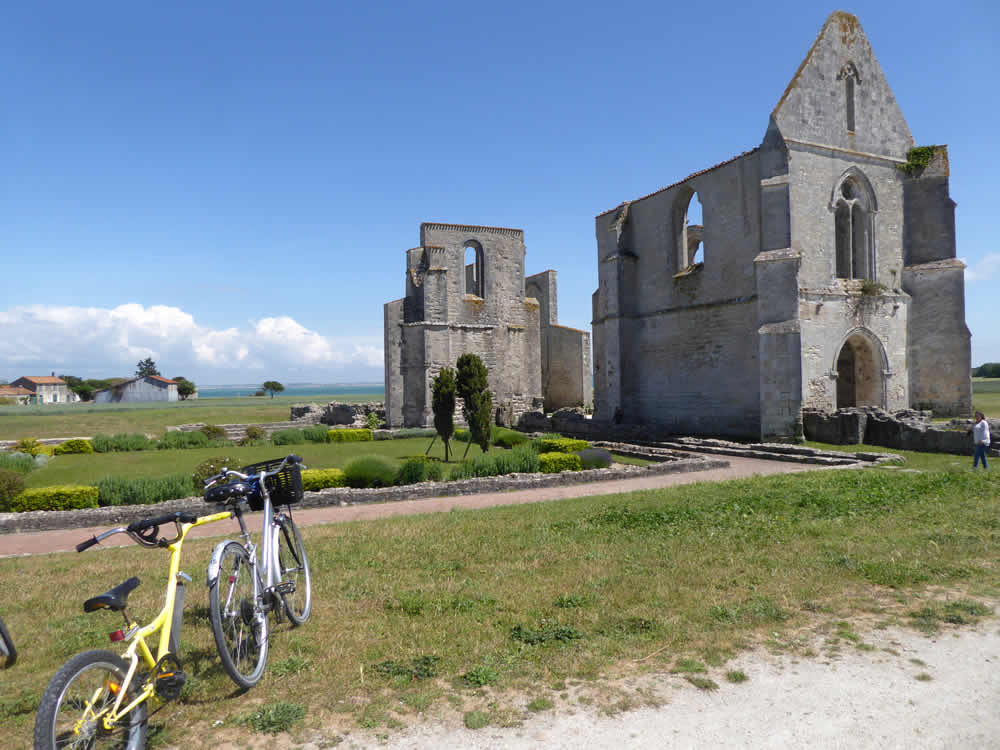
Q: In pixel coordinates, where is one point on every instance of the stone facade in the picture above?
(821, 276)
(466, 293)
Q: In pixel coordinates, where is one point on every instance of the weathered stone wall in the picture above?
(878, 427)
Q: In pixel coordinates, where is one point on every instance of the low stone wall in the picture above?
(909, 430)
(336, 413)
(12, 523)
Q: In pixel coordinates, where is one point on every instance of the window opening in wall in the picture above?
(691, 231)
(850, 76)
(474, 269)
(850, 104)
(854, 228)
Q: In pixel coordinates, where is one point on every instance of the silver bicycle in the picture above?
(243, 592)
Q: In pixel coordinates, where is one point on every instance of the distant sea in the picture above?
(299, 390)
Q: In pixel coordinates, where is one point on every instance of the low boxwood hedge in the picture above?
(77, 445)
(57, 497)
(318, 479)
(349, 435)
(555, 462)
(560, 445)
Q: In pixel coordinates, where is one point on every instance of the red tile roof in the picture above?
(163, 380)
(14, 390)
(44, 379)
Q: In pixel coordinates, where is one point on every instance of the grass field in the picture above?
(74, 420)
(91, 467)
(986, 396)
(494, 610)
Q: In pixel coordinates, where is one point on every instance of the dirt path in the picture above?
(65, 540)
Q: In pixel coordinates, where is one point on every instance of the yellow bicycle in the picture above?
(98, 699)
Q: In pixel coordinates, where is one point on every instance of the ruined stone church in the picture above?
(821, 275)
(466, 292)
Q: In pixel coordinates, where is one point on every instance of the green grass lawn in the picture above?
(74, 420)
(494, 610)
(91, 467)
(986, 396)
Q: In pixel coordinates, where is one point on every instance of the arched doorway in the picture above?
(859, 372)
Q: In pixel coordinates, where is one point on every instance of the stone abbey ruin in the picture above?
(466, 292)
(823, 275)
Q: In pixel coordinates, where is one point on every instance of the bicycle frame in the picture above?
(269, 543)
(163, 623)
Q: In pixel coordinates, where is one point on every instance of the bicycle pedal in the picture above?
(169, 684)
(285, 587)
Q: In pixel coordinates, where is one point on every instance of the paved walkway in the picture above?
(65, 540)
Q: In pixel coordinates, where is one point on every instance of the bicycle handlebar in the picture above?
(144, 531)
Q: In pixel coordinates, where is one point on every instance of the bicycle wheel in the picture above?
(294, 569)
(238, 622)
(8, 654)
(73, 705)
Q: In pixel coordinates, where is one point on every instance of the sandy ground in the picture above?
(910, 691)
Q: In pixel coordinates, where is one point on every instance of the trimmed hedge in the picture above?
(408, 432)
(58, 497)
(318, 479)
(142, 491)
(371, 471)
(560, 445)
(349, 435)
(122, 442)
(553, 463)
(74, 446)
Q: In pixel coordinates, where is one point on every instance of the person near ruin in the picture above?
(981, 439)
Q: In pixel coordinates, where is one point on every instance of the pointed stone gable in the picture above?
(838, 86)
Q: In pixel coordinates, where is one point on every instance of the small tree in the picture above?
(272, 387)
(443, 404)
(473, 387)
(146, 368)
(185, 388)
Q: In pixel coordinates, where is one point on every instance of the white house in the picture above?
(149, 388)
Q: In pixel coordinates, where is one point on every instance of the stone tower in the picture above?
(823, 273)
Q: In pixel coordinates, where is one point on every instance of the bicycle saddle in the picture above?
(114, 599)
(228, 493)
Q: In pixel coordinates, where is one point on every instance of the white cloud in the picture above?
(97, 342)
(985, 269)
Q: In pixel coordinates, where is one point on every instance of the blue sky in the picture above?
(230, 187)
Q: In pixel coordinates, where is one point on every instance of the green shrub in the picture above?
(595, 458)
(121, 442)
(370, 471)
(507, 438)
(254, 435)
(292, 436)
(19, 462)
(74, 446)
(553, 463)
(418, 469)
(373, 421)
(317, 433)
(560, 445)
(213, 432)
(182, 440)
(212, 466)
(142, 491)
(11, 485)
(349, 435)
(31, 446)
(523, 459)
(411, 432)
(59, 497)
(462, 435)
(318, 479)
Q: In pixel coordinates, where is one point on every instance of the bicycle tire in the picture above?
(238, 623)
(66, 718)
(7, 650)
(294, 568)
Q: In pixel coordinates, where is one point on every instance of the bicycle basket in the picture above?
(285, 487)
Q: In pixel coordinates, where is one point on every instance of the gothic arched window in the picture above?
(854, 207)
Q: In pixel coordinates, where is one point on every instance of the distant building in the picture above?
(16, 393)
(149, 388)
(46, 389)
